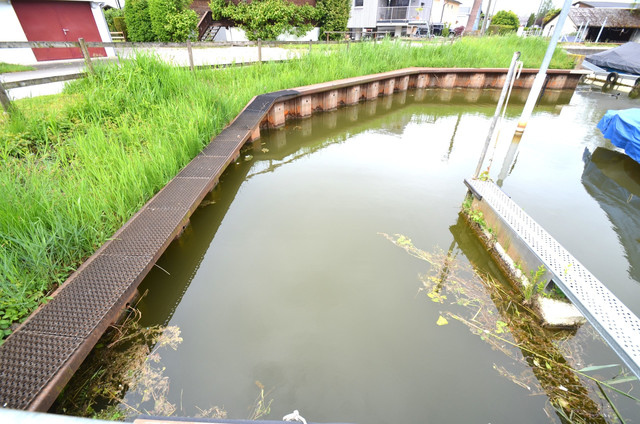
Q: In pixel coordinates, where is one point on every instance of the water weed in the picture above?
(543, 361)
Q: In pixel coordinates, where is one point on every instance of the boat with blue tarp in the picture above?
(622, 127)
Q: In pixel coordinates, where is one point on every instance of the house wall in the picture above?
(238, 34)
(450, 14)
(11, 30)
(568, 28)
(103, 28)
(364, 16)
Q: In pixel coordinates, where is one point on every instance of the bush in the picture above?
(120, 25)
(504, 18)
(138, 22)
(109, 16)
(266, 19)
(172, 20)
(499, 29)
(333, 16)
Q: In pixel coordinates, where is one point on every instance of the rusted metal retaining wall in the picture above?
(40, 357)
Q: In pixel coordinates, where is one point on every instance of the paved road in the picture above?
(176, 56)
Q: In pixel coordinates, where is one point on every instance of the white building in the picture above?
(397, 17)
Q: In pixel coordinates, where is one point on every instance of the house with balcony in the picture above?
(394, 17)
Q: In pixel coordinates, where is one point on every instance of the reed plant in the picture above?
(76, 166)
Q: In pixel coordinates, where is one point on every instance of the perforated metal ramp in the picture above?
(611, 318)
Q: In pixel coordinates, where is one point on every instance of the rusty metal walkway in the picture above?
(610, 317)
(38, 359)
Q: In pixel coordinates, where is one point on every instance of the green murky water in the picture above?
(285, 279)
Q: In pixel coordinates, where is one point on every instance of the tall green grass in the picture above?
(76, 166)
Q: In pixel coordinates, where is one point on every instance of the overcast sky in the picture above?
(520, 7)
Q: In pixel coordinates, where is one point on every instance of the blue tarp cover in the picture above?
(622, 127)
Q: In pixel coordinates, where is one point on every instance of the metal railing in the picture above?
(402, 14)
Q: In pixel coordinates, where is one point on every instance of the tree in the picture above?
(333, 15)
(545, 7)
(136, 16)
(531, 20)
(506, 19)
(172, 20)
(266, 19)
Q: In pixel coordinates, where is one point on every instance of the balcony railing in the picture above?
(402, 14)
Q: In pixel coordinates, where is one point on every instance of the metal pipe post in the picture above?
(486, 19)
(259, 50)
(538, 82)
(496, 115)
(601, 28)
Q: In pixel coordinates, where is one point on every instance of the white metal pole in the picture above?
(601, 28)
(538, 82)
(496, 115)
(486, 19)
(584, 31)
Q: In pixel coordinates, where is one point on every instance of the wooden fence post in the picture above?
(190, 51)
(85, 53)
(259, 50)
(310, 44)
(4, 99)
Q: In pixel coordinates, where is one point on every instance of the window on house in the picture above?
(358, 3)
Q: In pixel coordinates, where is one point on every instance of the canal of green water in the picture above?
(285, 280)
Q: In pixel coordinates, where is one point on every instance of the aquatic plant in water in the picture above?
(546, 362)
(124, 364)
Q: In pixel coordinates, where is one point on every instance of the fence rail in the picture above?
(57, 44)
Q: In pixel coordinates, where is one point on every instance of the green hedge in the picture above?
(500, 29)
(172, 20)
(136, 17)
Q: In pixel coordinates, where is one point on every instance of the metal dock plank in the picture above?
(613, 320)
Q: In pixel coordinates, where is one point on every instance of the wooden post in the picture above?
(327, 38)
(310, 44)
(190, 51)
(259, 50)
(4, 99)
(85, 53)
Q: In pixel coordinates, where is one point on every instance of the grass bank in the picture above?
(76, 166)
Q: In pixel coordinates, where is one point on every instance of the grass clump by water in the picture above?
(76, 166)
(10, 67)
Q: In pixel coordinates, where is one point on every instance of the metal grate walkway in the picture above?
(38, 359)
(613, 320)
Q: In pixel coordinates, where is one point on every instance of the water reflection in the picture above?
(613, 179)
